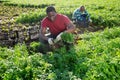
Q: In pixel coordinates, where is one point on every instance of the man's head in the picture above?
(51, 13)
(82, 8)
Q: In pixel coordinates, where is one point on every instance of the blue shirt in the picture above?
(79, 16)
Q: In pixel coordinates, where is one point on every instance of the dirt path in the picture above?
(82, 30)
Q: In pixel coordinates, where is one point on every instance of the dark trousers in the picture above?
(44, 41)
(45, 47)
(83, 23)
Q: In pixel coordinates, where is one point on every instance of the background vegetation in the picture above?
(104, 13)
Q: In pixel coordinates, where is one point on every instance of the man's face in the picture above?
(52, 15)
(82, 8)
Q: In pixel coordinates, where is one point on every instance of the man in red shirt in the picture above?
(57, 24)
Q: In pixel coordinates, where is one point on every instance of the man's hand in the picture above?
(58, 38)
(50, 41)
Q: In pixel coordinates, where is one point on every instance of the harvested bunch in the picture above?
(67, 37)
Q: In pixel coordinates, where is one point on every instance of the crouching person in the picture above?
(81, 17)
(57, 24)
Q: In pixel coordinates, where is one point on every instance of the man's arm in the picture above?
(42, 33)
(74, 16)
(87, 15)
(70, 28)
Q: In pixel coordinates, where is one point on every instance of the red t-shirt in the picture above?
(57, 26)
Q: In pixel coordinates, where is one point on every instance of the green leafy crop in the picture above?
(68, 37)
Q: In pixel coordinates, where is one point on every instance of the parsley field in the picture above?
(96, 56)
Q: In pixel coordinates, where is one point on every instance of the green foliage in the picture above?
(95, 57)
(104, 68)
(101, 12)
(111, 33)
(37, 47)
(98, 52)
(30, 18)
(19, 65)
(68, 37)
(34, 46)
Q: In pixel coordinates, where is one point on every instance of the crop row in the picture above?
(101, 14)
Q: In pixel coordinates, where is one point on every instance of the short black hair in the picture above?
(50, 9)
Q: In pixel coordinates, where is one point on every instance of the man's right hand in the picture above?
(58, 38)
(50, 41)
